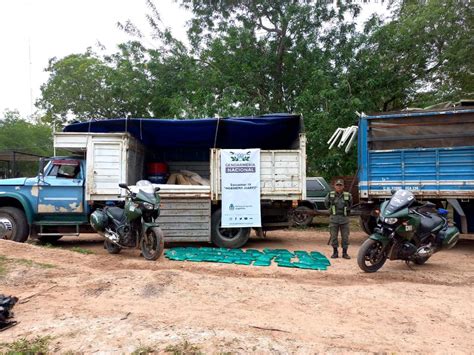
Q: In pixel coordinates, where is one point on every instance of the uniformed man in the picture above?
(339, 203)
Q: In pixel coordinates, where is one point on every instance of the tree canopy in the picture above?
(19, 134)
(258, 56)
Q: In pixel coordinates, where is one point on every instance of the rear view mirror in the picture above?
(42, 165)
(123, 186)
(157, 189)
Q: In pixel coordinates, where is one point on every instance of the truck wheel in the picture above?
(13, 224)
(300, 216)
(367, 224)
(227, 237)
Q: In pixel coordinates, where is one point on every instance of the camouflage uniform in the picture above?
(339, 205)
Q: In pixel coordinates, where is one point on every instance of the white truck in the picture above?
(69, 188)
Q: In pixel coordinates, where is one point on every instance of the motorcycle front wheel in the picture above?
(152, 243)
(371, 255)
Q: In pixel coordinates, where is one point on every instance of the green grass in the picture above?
(75, 249)
(144, 350)
(82, 250)
(183, 348)
(37, 345)
(5, 262)
(3, 265)
(31, 263)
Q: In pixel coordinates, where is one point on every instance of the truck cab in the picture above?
(47, 206)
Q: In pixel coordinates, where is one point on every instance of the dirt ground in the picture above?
(122, 303)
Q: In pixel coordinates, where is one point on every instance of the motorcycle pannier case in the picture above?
(99, 220)
(448, 237)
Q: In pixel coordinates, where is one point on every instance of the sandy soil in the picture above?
(121, 303)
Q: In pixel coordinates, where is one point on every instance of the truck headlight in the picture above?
(148, 206)
(391, 220)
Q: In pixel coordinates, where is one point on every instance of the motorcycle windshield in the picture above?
(400, 200)
(146, 190)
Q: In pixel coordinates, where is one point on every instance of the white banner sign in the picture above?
(240, 180)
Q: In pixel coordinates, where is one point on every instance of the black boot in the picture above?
(335, 254)
(344, 254)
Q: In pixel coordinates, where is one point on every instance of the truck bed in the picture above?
(430, 152)
(428, 172)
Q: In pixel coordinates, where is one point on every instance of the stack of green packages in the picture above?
(298, 259)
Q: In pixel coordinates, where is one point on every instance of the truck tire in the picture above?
(227, 237)
(368, 224)
(15, 226)
(300, 218)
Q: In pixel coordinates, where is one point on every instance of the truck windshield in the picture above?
(401, 199)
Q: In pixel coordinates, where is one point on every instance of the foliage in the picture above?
(82, 250)
(3, 265)
(26, 136)
(144, 350)
(37, 345)
(250, 57)
(19, 134)
(4, 262)
(183, 348)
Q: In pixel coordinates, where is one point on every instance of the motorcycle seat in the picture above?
(116, 213)
(428, 224)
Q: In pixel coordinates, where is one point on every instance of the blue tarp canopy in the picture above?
(274, 131)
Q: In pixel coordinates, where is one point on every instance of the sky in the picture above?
(33, 31)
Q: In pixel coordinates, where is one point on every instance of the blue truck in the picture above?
(429, 152)
(50, 205)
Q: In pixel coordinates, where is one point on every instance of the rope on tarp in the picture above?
(89, 126)
(217, 130)
(141, 135)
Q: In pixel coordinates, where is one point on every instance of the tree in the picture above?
(21, 135)
(250, 57)
(423, 56)
(85, 86)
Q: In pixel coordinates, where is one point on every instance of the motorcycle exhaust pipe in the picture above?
(111, 236)
(424, 252)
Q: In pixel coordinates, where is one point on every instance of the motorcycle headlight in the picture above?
(391, 220)
(148, 206)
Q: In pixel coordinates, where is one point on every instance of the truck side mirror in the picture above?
(42, 164)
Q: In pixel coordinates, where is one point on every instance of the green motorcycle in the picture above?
(406, 231)
(134, 225)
